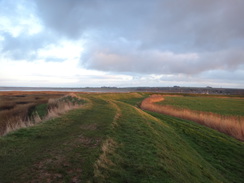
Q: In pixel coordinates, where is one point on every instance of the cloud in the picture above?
(183, 27)
(46, 73)
(77, 17)
(127, 57)
(19, 17)
(188, 24)
(134, 38)
(225, 76)
(147, 62)
(206, 25)
(189, 37)
(24, 46)
(21, 30)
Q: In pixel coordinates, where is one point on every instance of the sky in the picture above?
(93, 43)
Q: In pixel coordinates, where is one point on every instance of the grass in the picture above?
(41, 110)
(111, 140)
(62, 149)
(223, 106)
(220, 151)
(231, 125)
(149, 150)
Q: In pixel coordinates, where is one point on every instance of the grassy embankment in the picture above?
(223, 114)
(111, 140)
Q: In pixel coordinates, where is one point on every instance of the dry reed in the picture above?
(230, 125)
(56, 108)
(17, 106)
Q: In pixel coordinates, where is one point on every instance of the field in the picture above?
(219, 105)
(198, 109)
(110, 139)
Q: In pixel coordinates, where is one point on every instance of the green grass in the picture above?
(111, 140)
(224, 106)
(151, 151)
(41, 110)
(156, 151)
(224, 153)
(73, 100)
(64, 148)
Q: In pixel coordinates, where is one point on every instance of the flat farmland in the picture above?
(219, 105)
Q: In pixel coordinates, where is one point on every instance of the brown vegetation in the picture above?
(16, 108)
(230, 125)
(59, 108)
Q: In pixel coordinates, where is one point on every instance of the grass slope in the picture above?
(111, 140)
(63, 149)
(148, 150)
(224, 153)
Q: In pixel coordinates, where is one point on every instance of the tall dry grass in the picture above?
(230, 125)
(14, 117)
(16, 106)
(60, 108)
(20, 119)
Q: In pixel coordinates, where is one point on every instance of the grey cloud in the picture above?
(184, 26)
(210, 29)
(144, 62)
(188, 24)
(230, 76)
(25, 46)
(232, 59)
(140, 36)
(125, 56)
(73, 18)
(199, 25)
